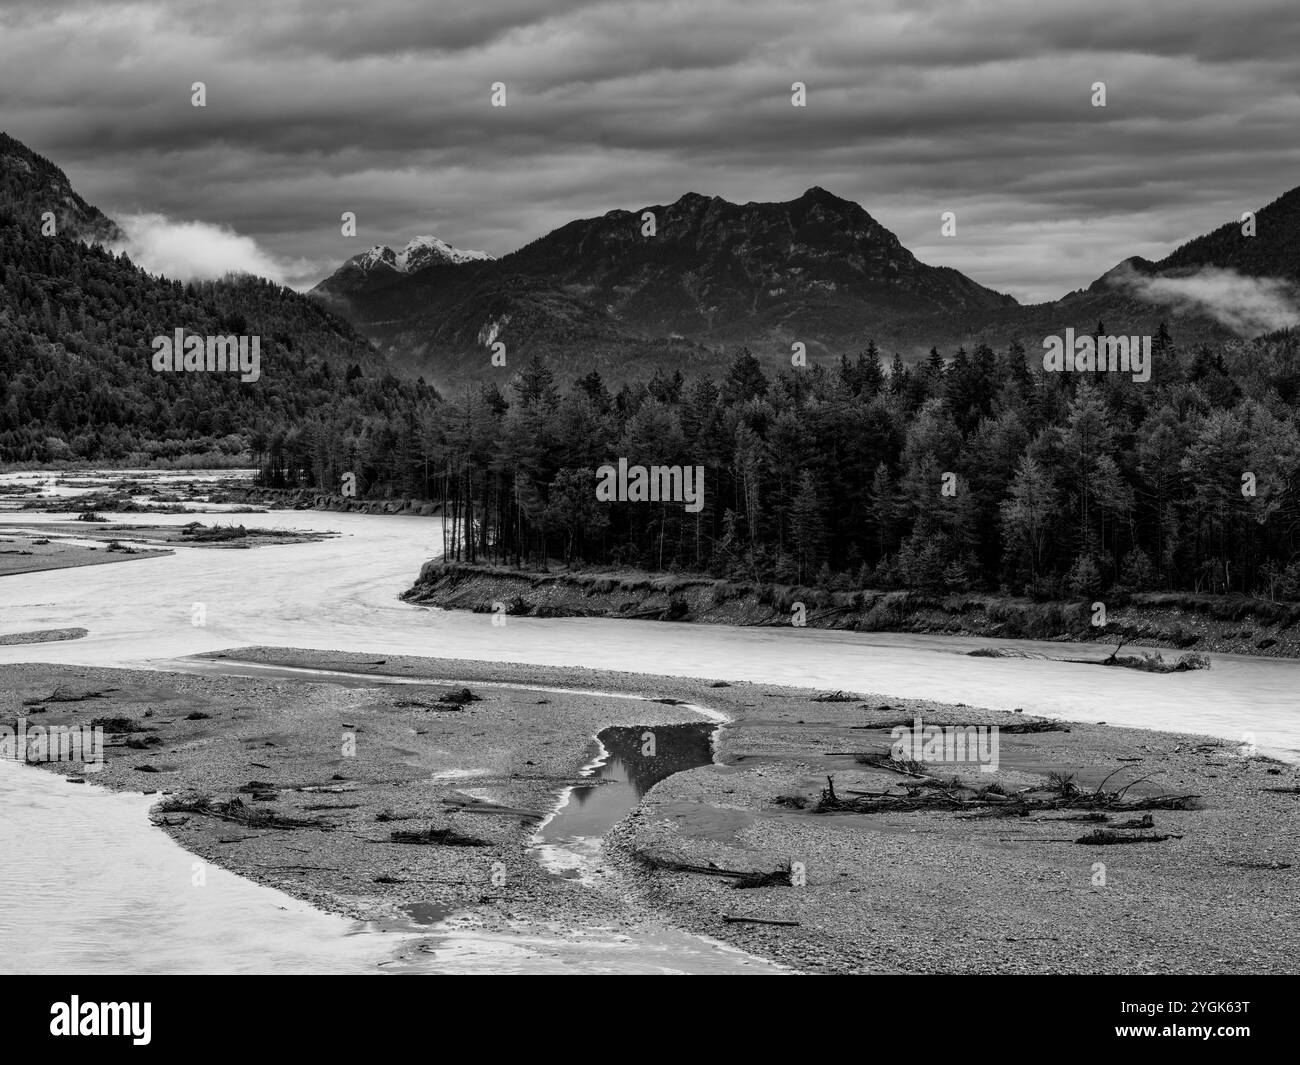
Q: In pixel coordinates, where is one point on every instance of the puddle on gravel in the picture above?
(628, 763)
(426, 913)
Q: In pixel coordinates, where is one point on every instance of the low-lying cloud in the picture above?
(1248, 306)
(193, 251)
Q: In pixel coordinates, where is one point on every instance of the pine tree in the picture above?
(807, 528)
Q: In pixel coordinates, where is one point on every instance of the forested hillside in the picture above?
(76, 381)
(1065, 484)
(76, 326)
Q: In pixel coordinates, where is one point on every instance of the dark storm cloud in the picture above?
(914, 108)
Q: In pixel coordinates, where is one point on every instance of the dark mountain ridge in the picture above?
(716, 275)
(817, 269)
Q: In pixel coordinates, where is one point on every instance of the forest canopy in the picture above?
(1057, 484)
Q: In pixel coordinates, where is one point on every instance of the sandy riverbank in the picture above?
(33, 552)
(47, 545)
(913, 891)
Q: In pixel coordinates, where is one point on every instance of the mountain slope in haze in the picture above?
(31, 185)
(76, 330)
(1273, 250)
(817, 269)
(1223, 284)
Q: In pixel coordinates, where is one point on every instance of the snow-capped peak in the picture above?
(380, 253)
(418, 253)
(421, 251)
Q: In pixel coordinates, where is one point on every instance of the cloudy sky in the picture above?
(982, 107)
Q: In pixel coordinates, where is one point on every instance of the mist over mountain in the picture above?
(77, 322)
(1241, 280)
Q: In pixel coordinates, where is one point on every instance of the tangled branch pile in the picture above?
(782, 876)
(447, 837)
(235, 810)
(1060, 792)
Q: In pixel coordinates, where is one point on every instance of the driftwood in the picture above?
(1022, 839)
(893, 765)
(1059, 794)
(447, 837)
(64, 694)
(744, 878)
(1145, 821)
(1017, 727)
(754, 920)
(236, 811)
(467, 806)
(1105, 837)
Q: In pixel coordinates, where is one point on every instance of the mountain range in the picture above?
(713, 276)
(818, 269)
(615, 294)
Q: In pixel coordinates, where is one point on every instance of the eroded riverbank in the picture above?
(1226, 625)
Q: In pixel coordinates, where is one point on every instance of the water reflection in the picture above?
(636, 760)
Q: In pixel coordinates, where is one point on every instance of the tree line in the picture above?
(975, 472)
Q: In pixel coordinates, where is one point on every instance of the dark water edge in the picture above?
(635, 760)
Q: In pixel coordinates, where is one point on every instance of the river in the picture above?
(341, 594)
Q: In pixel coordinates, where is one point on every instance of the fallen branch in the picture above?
(893, 765)
(744, 878)
(465, 806)
(447, 837)
(1106, 837)
(236, 811)
(755, 920)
